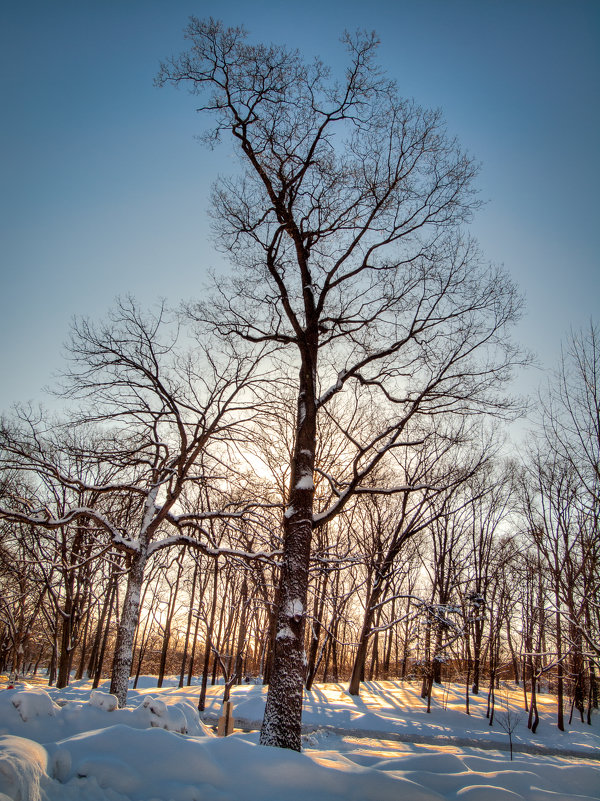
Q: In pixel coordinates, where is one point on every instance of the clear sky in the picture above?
(105, 189)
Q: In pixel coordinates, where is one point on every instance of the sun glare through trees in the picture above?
(302, 476)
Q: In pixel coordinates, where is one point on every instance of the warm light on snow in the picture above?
(63, 745)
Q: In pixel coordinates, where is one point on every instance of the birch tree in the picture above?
(343, 226)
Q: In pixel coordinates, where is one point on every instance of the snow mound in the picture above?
(157, 764)
(161, 716)
(31, 713)
(104, 700)
(22, 765)
(33, 703)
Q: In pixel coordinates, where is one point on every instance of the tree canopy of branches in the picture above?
(345, 228)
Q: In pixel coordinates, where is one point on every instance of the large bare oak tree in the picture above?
(344, 229)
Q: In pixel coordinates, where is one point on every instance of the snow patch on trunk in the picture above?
(305, 483)
(295, 609)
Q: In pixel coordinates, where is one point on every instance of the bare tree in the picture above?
(571, 409)
(509, 719)
(343, 226)
(160, 417)
(391, 526)
(561, 504)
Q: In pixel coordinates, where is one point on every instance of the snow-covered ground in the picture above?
(73, 745)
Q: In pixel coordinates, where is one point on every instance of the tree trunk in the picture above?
(560, 722)
(315, 633)
(242, 635)
(390, 634)
(209, 634)
(477, 639)
(84, 645)
(193, 653)
(513, 656)
(283, 713)
(361, 654)
(100, 658)
(123, 658)
(188, 628)
(168, 624)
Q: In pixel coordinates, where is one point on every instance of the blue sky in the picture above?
(105, 189)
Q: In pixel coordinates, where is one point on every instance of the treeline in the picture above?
(473, 569)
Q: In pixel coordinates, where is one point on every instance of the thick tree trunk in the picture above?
(123, 658)
(283, 713)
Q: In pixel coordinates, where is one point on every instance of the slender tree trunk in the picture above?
(193, 653)
(142, 636)
(53, 660)
(513, 656)
(65, 643)
(100, 658)
(427, 671)
(316, 632)
(560, 722)
(242, 634)
(91, 668)
(388, 644)
(477, 639)
(375, 650)
(208, 640)
(168, 623)
(188, 628)
(84, 644)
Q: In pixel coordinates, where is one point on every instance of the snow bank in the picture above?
(124, 764)
(171, 718)
(156, 750)
(158, 765)
(33, 714)
(23, 763)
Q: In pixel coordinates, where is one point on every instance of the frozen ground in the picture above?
(71, 745)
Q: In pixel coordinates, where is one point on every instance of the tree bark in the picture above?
(188, 628)
(123, 658)
(282, 722)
